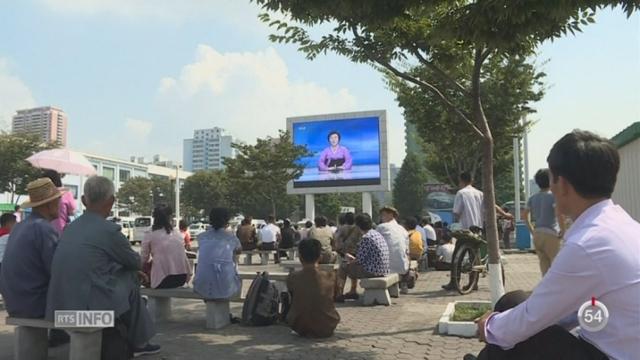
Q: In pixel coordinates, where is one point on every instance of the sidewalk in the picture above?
(405, 330)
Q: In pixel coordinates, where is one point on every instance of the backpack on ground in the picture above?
(262, 304)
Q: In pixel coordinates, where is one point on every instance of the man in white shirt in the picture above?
(270, 236)
(397, 240)
(599, 260)
(430, 237)
(467, 210)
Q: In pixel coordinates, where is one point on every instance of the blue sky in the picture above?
(137, 77)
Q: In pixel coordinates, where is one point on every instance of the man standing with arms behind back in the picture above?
(549, 226)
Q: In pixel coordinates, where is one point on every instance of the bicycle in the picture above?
(469, 263)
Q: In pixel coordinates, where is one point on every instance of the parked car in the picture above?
(127, 229)
(197, 229)
(140, 225)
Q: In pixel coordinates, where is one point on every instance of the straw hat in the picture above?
(390, 209)
(41, 191)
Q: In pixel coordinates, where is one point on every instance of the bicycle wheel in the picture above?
(464, 276)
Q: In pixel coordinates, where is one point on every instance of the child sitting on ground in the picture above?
(312, 313)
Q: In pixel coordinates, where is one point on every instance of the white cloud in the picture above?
(14, 95)
(140, 129)
(250, 94)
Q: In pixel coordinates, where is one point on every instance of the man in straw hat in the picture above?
(26, 266)
(95, 268)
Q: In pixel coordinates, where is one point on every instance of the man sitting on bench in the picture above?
(26, 267)
(95, 268)
(598, 264)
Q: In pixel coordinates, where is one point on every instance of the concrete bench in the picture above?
(379, 290)
(264, 256)
(159, 305)
(217, 311)
(292, 266)
(32, 340)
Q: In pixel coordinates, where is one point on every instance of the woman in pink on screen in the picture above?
(335, 157)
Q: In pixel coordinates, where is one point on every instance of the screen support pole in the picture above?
(309, 207)
(367, 206)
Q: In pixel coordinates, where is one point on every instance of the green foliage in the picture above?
(469, 312)
(15, 171)
(137, 195)
(259, 174)
(328, 205)
(409, 193)
(510, 85)
(205, 190)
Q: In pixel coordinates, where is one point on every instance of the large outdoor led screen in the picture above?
(346, 150)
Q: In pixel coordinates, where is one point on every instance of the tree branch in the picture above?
(403, 75)
(433, 90)
(439, 71)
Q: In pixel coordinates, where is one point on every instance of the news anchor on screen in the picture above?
(335, 157)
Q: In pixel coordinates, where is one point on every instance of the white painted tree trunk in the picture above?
(495, 282)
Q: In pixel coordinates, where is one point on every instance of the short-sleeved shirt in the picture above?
(373, 253)
(269, 233)
(446, 251)
(217, 274)
(543, 211)
(468, 206)
(397, 240)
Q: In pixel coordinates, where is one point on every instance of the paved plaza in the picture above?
(405, 330)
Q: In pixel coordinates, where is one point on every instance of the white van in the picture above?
(140, 226)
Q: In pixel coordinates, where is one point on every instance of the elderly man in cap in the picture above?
(95, 268)
(397, 239)
(26, 265)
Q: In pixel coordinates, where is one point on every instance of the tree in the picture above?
(259, 174)
(15, 171)
(329, 205)
(409, 192)
(392, 35)
(510, 84)
(137, 195)
(205, 190)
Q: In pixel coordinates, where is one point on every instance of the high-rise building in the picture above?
(207, 149)
(47, 122)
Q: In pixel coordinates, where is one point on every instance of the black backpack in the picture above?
(262, 304)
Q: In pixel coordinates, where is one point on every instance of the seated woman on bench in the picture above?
(217, 273)
(371, 259)
(163, 253)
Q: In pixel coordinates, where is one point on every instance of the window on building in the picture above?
(124, 175)
(109, 173)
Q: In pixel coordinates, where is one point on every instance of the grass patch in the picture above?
(469, 312)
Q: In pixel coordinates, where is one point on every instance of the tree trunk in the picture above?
(488, 188)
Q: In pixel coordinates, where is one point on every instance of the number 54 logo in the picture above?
(593, 316)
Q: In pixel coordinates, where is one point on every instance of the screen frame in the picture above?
(384, 185)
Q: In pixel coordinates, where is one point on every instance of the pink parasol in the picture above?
(63, 161)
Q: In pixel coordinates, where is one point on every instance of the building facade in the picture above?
(207, 149)
(626, 193)
(48, 123)
(119, 171)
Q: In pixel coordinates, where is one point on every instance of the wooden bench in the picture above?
(379, 290)
(32, 340)
(264, 256)
(217, 311)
